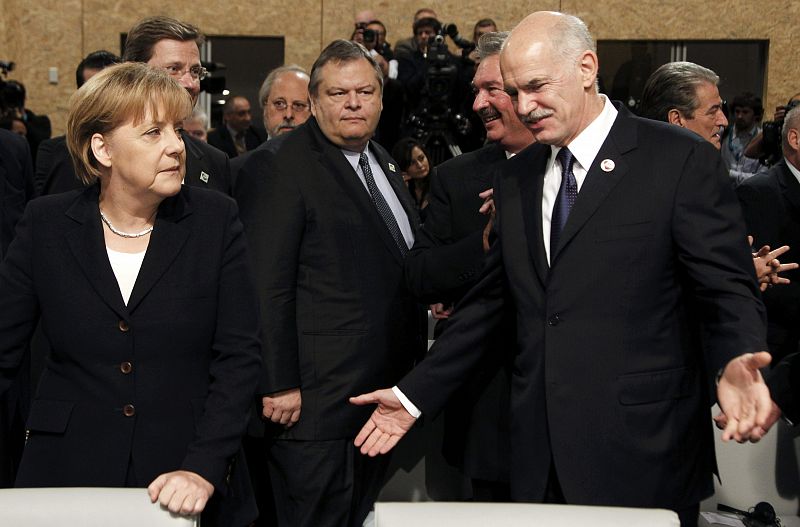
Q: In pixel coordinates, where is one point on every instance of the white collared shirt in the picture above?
(584, 149)
(385, 188)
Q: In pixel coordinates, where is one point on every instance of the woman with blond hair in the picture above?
(144, 292)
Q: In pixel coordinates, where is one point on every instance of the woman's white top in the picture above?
(126, 268)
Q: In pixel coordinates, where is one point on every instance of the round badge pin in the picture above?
(607, 165)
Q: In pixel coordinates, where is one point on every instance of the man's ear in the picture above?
(589, 67)
(675, 117)
(793, 137)
(313, 101)
(101, 150)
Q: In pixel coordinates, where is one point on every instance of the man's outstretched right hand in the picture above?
(386, 426)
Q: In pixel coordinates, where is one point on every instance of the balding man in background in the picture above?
(237, 134)
(285, 106)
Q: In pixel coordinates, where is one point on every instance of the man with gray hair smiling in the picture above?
(619, 242)
(686, 94)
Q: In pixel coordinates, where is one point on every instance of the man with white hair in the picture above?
(620, 243)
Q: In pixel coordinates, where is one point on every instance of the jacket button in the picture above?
(123, 326)
(126, 367)
(128, 410)
(554, 320)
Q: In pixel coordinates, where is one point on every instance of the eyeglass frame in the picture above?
(285, 105)
(197, 73)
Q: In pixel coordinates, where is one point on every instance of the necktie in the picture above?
(382, 206)
(239, 143)
(565, 199)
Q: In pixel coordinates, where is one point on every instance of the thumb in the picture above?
(155, 487)
(365, 398)
(758, 360)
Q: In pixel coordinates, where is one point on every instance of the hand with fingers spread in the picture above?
(283, 407)
(182, 492)
(768, 266)
(386, 426)
(744, 398)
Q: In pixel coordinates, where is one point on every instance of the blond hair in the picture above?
(118, 94)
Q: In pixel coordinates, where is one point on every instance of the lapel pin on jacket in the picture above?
(204, 177)
(391, 167)
(607, 165)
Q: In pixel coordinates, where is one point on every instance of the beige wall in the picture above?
(58, 33)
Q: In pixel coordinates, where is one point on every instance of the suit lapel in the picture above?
(534, 160)
(88, 246)
(168, 238)
(331, 157)
(195, 166)
(598, 183)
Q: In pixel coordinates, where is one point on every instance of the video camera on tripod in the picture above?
(434, 123)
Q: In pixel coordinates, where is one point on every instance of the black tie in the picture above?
(382, 206)
(565, 199)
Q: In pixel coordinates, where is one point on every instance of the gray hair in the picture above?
(673, 86)
(340, 51)
(571, 38)
(790, 120)
(201, 116)
(266, 86)
(490, 44)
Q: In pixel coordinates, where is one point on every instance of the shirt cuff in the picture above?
(408, 405)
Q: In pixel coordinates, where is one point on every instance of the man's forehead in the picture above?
(169, 50)
(488, 72)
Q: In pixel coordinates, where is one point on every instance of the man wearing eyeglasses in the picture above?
(285, 104)
(284, 98)
(173, 45)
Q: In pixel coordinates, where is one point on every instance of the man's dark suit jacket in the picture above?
(221, 138)
(16, 177)
(610, 384)
(337, 318)
(238, 163)
(784, 387)
(446, 260)
(206, 167)
(161, 384)
(16, 188)
(771, 205)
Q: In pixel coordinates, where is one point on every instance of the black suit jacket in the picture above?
(771, 205)
(446, 260)
(610, 382)
(182, 356)
(16, 184)
(238, 163)
(337, 319)
(206, 167)
(784, 387)
(221, 138)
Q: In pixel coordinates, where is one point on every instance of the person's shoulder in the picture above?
(204, 200)
(662, 133)
(11, 141)
(766, 180)
(200, 148)
(472, 161)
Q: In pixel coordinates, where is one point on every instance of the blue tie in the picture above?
(565, 199)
